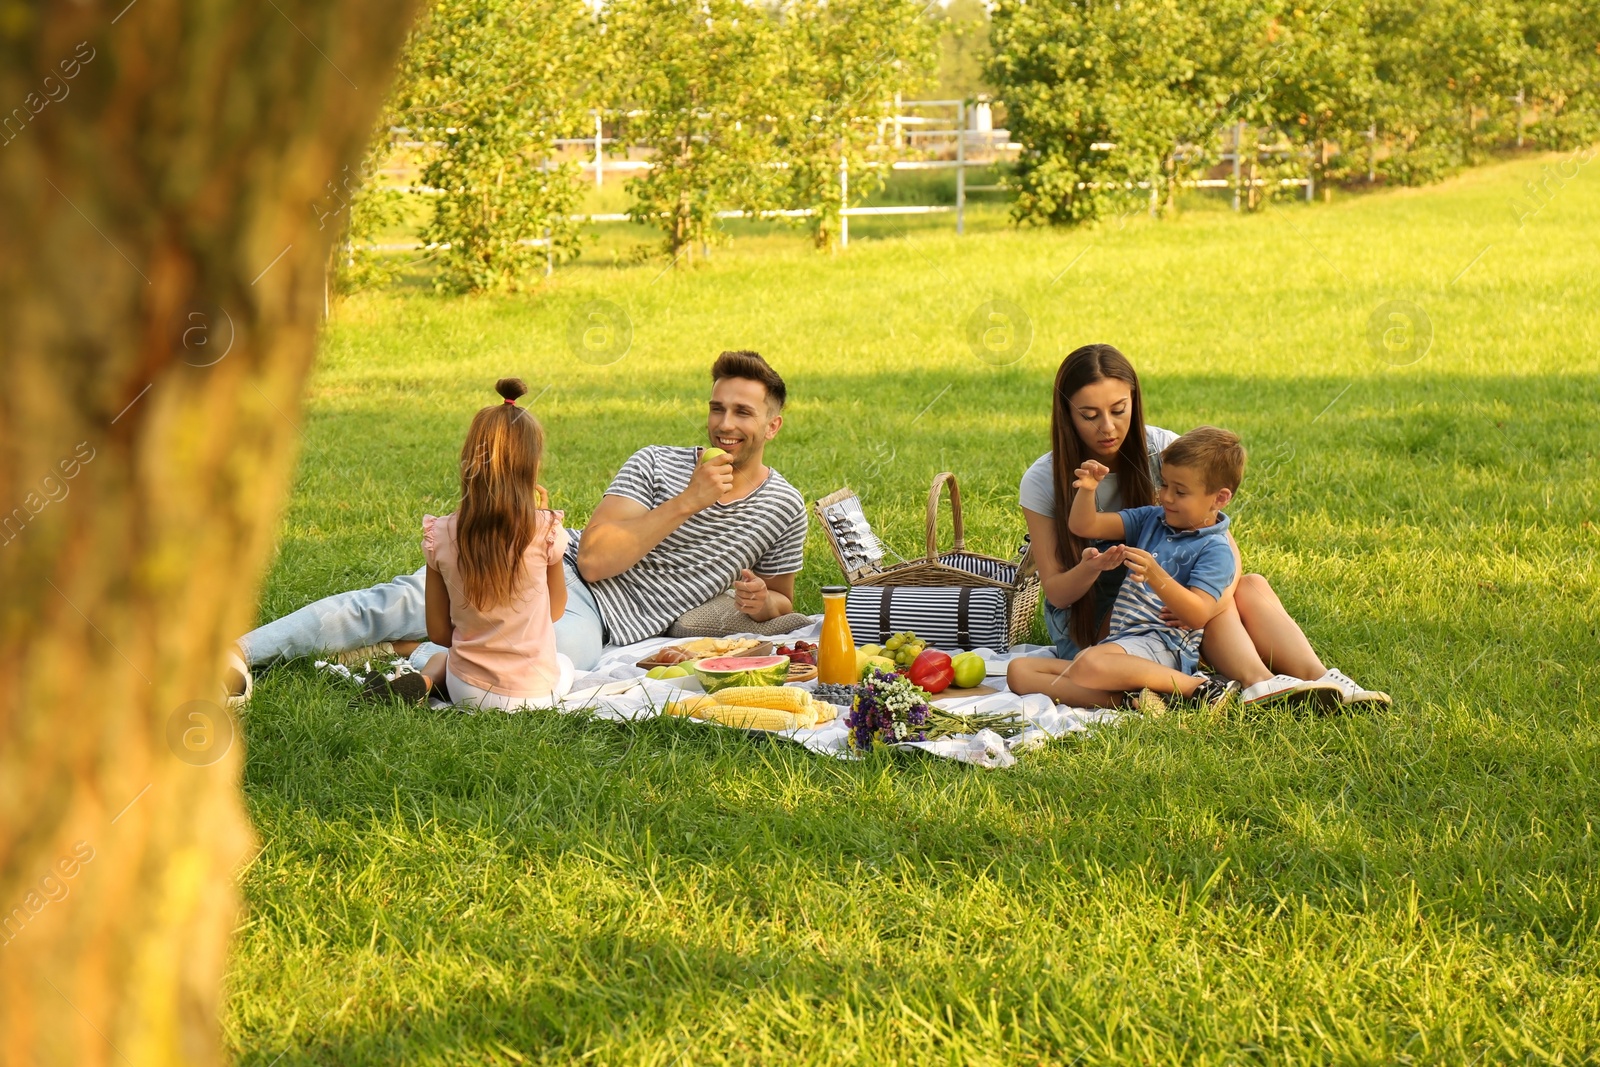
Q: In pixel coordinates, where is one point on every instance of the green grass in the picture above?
(1418, 885)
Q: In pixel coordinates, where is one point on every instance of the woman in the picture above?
(1098, 413)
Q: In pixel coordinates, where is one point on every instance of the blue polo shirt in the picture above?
(1197, 559)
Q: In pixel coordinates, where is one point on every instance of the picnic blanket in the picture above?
(617, 689)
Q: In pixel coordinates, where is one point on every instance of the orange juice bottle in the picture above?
(836, 655)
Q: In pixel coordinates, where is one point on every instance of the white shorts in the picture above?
(470, 696)
(1150, 647)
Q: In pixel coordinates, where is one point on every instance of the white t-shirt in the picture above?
(1037, 492)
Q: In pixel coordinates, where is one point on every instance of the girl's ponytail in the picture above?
(500, 513)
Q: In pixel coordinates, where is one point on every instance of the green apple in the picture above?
(673, 671)
(711, 453)
(970, 670)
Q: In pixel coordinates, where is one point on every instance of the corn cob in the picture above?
(689, 705)
(777, 697)
(750, 718)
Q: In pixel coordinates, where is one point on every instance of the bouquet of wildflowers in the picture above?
(888, 709)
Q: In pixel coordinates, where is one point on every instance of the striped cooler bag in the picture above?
(953, 600)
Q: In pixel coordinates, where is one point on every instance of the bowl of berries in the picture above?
(802, 660)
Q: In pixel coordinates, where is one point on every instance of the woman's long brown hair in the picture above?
(500, 508)
(1085, 366)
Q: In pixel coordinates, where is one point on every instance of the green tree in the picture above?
(1077, 75)
(161, 286)
(1562, 80)
(1445, 74)
(964, 49)
(487, 86)
(701, 84)
(843, 62)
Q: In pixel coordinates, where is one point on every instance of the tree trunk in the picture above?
(161, 272)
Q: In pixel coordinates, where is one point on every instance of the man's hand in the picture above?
(1142, 567)
(710, 482)
(749, 592)
(1089, 475)
(1110, 559)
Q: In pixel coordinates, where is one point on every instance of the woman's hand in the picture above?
(1089, 475)
(1110, 559)
(541, 497)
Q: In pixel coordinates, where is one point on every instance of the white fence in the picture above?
(973, 129)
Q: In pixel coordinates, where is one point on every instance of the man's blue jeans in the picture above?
(397, 611)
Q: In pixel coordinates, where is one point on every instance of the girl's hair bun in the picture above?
(510, 388)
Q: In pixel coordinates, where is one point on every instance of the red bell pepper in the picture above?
(932, 671)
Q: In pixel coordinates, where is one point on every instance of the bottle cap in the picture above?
(835, 590)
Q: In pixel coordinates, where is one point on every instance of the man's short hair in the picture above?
(1216, 454)
(750, 365)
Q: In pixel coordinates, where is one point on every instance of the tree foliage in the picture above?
(844, 62)
(699, 80)
(1402, 90)
(487, 86)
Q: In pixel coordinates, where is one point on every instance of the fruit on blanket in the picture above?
(970, 669)
(799, 652)
(723, 672)
(779, 697)
(875, 663)
(671, 671)
(711, 453)
(870, 650)
(932, 671)
(904, 647)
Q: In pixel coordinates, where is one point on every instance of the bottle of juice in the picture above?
(836, 654)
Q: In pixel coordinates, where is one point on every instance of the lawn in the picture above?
(1420, 885)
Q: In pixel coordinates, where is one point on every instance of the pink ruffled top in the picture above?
(510, 648)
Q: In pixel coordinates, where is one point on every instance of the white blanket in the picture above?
(617, 689)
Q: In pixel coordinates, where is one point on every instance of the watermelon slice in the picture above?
(723, 672)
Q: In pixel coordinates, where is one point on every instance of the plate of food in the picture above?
(802, 660)
(704, 647)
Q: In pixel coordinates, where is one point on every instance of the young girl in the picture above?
(494, 583)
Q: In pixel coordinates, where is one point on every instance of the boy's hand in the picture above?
(1110, 559)
(1172, 620)
(1142, 566)
(1089, 475)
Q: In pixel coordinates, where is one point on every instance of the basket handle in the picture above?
(939, 482)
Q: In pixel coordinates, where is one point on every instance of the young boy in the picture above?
(1178, 558)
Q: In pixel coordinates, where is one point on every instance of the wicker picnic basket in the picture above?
(940, 577)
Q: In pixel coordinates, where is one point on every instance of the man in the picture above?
(672, 535)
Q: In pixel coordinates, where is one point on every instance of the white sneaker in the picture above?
(1324, 693)
(1353, 693)
(232, 694)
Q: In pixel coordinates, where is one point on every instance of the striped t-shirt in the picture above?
(764, 531)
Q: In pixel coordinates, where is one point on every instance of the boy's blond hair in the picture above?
(1216, 454)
